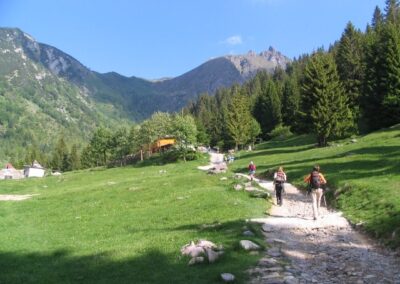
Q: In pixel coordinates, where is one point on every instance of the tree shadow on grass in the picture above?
(152, 266)
(62, 266)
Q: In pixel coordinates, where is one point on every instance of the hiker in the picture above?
(279, 182)
(252, 170)
(315, 180)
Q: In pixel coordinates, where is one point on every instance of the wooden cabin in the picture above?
(162, 144)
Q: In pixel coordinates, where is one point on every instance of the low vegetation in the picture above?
(124, 225)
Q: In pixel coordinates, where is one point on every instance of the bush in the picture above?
(281, 132)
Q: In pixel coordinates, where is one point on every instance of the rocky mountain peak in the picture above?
(249, 64)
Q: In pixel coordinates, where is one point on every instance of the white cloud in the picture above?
(233, 40)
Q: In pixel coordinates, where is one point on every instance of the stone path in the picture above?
(328, 250)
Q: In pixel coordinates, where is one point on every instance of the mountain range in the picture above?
(44, 91)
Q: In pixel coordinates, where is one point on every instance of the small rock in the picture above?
(248, 233)
(274, 252)
(266, 228)
(228, 277)
(280, 242)
(268, 262)
(238, 187)
(212, 256)
(195, 260)
(271, 275)
(249, 245)
(206, 244)
(290, 280)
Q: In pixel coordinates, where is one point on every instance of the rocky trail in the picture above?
(328, 250)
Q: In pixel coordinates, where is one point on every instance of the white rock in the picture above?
(192, 250)
(195, 260)
(212, 256)
(238, 187)
(228, 277)
(206, 244)
(249, 245)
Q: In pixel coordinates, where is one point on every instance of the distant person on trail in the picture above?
(252, 170)
(279, 182)
(315, 180)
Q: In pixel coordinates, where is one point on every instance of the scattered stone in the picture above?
(224, 178)
(238, 187)
(266, 228)
(279, 241)
(249, 245)
(271, 275)
(290, 280)
(228, 277)
(195, 260)
(192, 250)
(274, 252)
(206, 244)
(248, 233)
(268, 262)
(212, 256)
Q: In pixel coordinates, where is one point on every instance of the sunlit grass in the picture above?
(123, 225)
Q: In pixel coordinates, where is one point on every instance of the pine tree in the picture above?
(239, 120)
(326, 106)
(392, 12)
(382, 83)
(268, 108)
(290, 102)
(377, 18)
(349, 58)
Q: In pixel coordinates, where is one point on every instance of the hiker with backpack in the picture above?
(279, 182)
(252, 170)
(315, 181)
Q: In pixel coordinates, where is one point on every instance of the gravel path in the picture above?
(328, 250)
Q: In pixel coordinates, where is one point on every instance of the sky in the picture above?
(154, 39)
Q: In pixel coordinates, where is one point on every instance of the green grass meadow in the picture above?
(127, 225)
(123, 225)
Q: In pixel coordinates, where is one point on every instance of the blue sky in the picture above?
(166, 38)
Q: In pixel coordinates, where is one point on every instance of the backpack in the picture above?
(280, 177)
(315, 181)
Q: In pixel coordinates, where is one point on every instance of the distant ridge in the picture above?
(135, 97)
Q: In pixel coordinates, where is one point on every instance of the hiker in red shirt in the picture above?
(252, 170)
(315, 180)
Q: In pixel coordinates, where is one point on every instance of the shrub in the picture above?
(281, 132)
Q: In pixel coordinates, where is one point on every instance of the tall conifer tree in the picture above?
(326, 106)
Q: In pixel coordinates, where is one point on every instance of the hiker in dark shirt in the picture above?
(315, 180)
(279, 182)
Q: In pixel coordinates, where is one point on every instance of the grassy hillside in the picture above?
(363, 175)
(123, 225)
